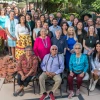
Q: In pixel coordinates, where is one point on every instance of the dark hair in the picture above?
(24, 22)
(28, 47)
(95, 52)
(29, 15)
(54, 19)
(64, 23)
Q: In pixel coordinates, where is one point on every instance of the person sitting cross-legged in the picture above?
(52, 66)
(27, 68)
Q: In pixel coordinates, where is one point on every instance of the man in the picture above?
(27, 68)
(60, 42)
(59, 18)
(70, 23)
(52, 66)
(54, 27)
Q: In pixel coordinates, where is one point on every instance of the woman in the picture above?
(17, 12)
(78, 66)
(27, 68)
(95, 63)
(36, 29)
(90, 40)
(23, 36)
(10, 30)
(70, 40)
(75, 23)
(64, 27)
(51, 16)
(36, 17)
(42, 19)
(98, 27)
(42, 45)
(2, 28)
(80, 32)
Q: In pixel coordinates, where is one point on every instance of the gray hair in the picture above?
(58, 31)
(51, 15)
(28, 47)
(78, 44)
(53, 46)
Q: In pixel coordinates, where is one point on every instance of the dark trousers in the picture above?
(25, 82)
(78, 80)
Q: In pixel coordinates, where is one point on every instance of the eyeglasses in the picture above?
(54, 49)
(77, 48)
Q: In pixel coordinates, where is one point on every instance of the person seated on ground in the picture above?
(27, 68)
(78, 66)
(52, 66)
(95, 63)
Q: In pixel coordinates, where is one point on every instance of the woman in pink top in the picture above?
(42, 44)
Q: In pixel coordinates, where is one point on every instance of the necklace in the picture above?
(44, 41)
(90, 38)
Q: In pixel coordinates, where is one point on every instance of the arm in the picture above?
(92, 64)
(86, 64)
(34, 35)
(71, 62)
(61, 62)
(16, 32)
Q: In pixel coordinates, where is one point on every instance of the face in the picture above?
(75, 21)
(51, 17)
(71, 18)
(59, 15)
(8, 9)
(32, 12)
(46, 16)
(27, 17)
(38, 23)
(12, 15)
(36, 15)
(64, 26)
(77, 49)
(98, 48)
(43, 32)
(16, 10)
(71, 32)
(91, 29)
(22, 19)
(31, 6)
(90, 22)
(86, 18)
(58, 33)
(54, 50)
(79, 26)
(55, 22)
(42, 18)
(98, 21)
(2, 12)
(28, 52)
(45, 25)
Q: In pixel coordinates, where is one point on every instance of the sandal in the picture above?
(16, 93)
(71, 95)
(21, 93)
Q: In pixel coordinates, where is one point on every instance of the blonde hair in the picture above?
(74, 34)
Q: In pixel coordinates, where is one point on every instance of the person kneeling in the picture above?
(52, 66)
(27, 68)
(78, 66)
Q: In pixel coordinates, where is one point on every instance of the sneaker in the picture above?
(77, 92)
(44, 96)
(51, 96)
(71, 95)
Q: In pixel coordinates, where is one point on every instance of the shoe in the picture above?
(77, 92)
(51, 96)
(16, 93)
(71, 95)
(93, 85)
(21, 93)
(91, 82)
(44, 96)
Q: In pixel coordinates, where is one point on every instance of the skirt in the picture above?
(25, 41)
(3, 34)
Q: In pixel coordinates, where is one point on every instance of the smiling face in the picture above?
(91, 29)
(22, 19)
(77, 49)
(28, 52)
(2, 12)
(98, 48)
(80, 25)
(54, 50)
(43, 33)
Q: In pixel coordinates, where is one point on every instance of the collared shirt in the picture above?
(53, 29)
(25, 66)
(60, 43)
(53, 64)
(69, 23)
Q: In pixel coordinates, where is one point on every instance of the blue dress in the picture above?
(70, 43)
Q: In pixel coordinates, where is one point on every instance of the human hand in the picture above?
(39, 58)
(53, 74)
(71, 74)
(72, 51)
(23, 78)
(95, 72)
(82, 74)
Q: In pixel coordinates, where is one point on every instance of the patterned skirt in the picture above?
(25, 41)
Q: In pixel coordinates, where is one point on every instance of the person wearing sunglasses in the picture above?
(52, 66)
(78, 66)
(26, 69)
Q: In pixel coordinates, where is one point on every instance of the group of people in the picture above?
(37, 40)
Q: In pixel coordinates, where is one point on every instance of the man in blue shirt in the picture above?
(54, 27)
(52, 66)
